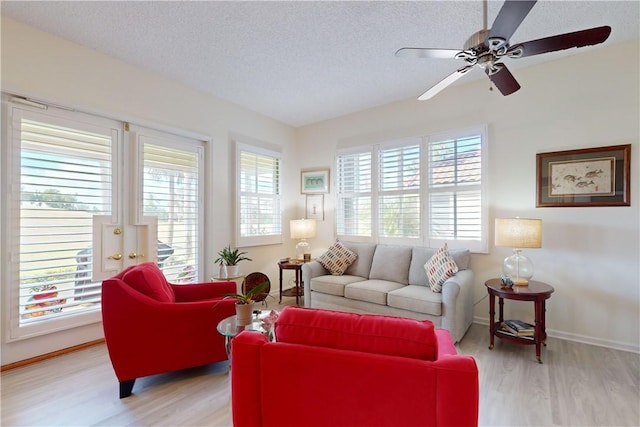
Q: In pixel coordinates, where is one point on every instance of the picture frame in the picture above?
(314, 181)
(587, 177)
(315, 207)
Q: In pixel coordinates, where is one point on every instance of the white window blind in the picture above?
(259, 210)
(455, 188)
(65, 178)
(354, 188)
(171, 192)
(399, 191)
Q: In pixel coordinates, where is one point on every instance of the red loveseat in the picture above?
(152, 326)
(335, 369)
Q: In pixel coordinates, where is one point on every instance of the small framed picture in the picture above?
(315, 207)
(314, 181)
(588, 177)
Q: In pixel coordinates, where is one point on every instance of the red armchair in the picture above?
(346, 369)
(152, 326)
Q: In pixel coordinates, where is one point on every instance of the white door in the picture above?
(87, 197)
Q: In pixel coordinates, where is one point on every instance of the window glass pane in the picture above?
(455, 196)
(455, 162)
(399, 188)
(170, 192)
(354, 177)
(65, 179)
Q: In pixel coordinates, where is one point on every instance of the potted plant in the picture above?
(230, 258)
(245, 302)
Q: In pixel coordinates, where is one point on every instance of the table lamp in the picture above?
(518, 233)
(303, 229)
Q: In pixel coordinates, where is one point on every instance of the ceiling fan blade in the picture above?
(444, 83)
(563, 41)
(419, 52)
(503, 79)
(509, 18)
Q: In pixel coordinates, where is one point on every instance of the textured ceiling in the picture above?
(301, 62)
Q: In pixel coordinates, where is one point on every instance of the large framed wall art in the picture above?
(588, 177)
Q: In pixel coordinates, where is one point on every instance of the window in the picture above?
(428, 190)
(171, 191)
(399, 190)
(455, 191)
(258, 205)
(67, 182)
(65, 174)
(353, 209)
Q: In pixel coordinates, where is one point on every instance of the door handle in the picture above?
(134, 255)
(117, 257)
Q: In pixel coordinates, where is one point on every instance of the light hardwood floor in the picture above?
(578, 385)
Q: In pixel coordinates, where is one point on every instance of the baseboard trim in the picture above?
(46, 356)
(584, 339)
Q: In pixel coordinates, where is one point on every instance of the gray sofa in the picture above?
(391, 280)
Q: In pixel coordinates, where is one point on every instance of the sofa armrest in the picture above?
(202, 291)
(309, 271)
(245, 363)
(457, 303)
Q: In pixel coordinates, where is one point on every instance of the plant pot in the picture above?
(244, 312)
(233, 270)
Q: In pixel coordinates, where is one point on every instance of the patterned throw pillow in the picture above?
(439, 268)
(337, 258)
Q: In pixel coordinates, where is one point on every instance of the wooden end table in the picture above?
(537, 292)
(297, 291)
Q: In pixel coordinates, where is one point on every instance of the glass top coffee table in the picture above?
(229, 327)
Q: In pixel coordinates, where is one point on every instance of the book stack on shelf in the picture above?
(518, 328)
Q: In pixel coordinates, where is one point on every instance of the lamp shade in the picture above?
(518, 232)
(303, 228)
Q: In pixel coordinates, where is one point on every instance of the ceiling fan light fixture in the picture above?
(488, 46)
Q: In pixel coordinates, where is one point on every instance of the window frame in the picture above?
(424, 239)
(481, 246)
(361, 150)
(11, 214)
(257, 240)
(379, 193)
(123, 157)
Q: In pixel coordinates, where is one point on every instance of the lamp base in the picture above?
(518, 267)
(520, 281)
(303, 247)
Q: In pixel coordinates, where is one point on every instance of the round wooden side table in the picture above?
(297, 291)
(537, 292)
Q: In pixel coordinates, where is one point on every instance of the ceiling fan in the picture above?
(488, 47)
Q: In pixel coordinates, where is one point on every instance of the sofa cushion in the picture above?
(391, 263)
(362, 265)
(333, 285)
(394, 336)
(371, 290)
(419, 299)
(420, 256)
(147, 279)
(439, 268)
(337, 258)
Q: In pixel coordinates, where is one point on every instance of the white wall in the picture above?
(590, 255)
(45, 67)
